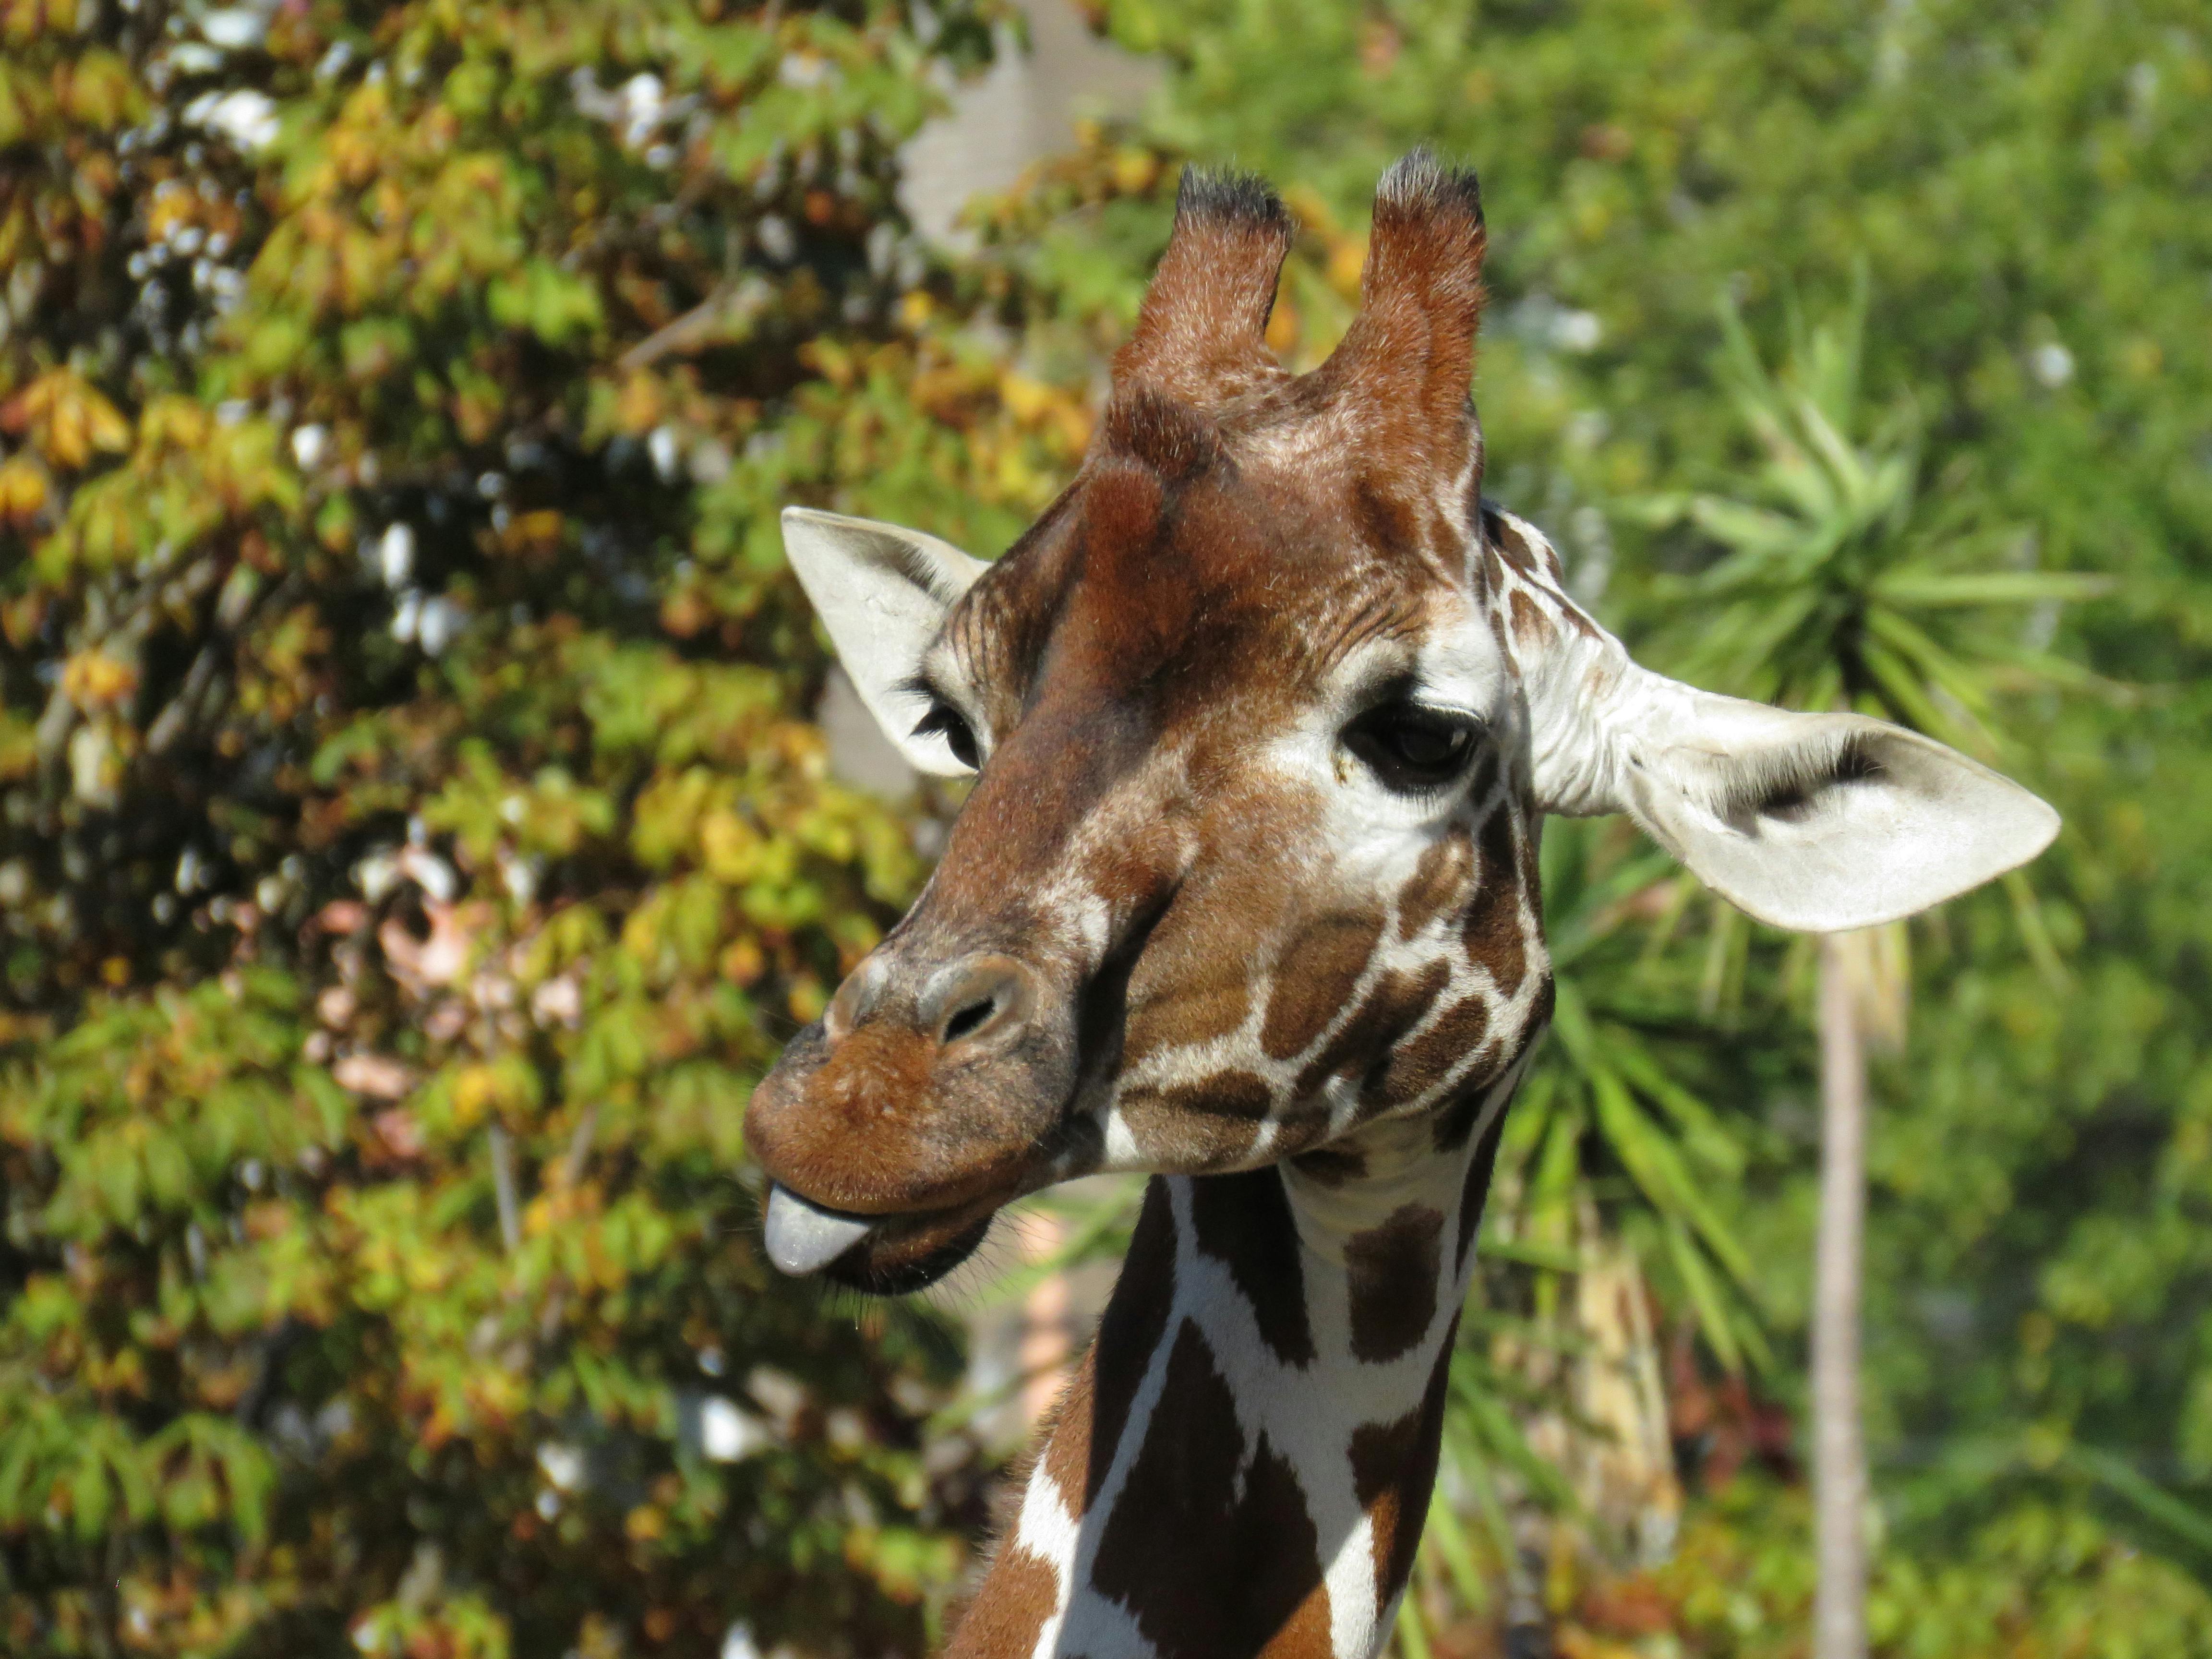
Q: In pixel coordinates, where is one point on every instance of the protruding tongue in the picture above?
(804, 1237)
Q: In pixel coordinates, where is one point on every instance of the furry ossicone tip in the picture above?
(1224, 196)
(1419, 185)
(1200, 333)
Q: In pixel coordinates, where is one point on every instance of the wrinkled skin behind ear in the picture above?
(1818, 822)
(882, 593)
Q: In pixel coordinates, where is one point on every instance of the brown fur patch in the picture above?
(1066, 1455)
(1474, 1193)
(1510, 544)
(1167, 437)
(1134, 1325)
(1389, 525)
(1017, 1595)
(1332, 1166)
(1197, 1125)
(1530, 626)
(1437, 881)
(1314, 975)
(1212, 1567)
(1420, 1063)
(1121, 505)
(1394, 1468)
(1493, 930)
(1244, 1222)
(1392, 1003)
(1392, 1273)
(1192, 1015)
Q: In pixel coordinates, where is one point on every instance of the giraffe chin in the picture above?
(880, 1254)
(900, 1265)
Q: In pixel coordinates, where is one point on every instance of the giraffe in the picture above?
(1263, 714)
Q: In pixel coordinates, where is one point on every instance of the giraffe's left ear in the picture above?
(1818, 822)
(882, 593)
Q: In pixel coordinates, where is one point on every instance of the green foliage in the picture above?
(414, 843)
(1840, 586)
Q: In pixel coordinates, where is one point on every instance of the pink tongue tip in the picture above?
(803, 1237)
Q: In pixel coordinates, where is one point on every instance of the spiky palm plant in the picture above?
(1845, 580)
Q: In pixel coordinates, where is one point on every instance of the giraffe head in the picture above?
(1263, 714)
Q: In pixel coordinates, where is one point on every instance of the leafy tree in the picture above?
(414, 841)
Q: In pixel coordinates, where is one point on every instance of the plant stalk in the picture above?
(1839, 1471)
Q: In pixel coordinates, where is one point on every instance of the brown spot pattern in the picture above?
(1530, 626)
(1186, 1016)
(1016, 1596)
(1392, 1003)
(1067, 1435)
(1194, 1125)
(1420, 1063)
(1244, 1222)
(1437, 881)
(1332, 1166)
(1498, 533)
(1391, 1273)
(1314, 974)
(1211, 1567)
(1134, 1325)
(1474, 1194)
(1493, 933)
(1394, 1468)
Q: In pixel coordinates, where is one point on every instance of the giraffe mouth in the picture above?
(877, 1254)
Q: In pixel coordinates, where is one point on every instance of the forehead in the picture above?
(1197, 557)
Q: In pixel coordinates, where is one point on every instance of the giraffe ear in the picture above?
(882, 593)
(1818, 822)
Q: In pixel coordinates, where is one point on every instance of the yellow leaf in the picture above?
(476, 1092)
(1025, 397)
(22, 489)
(93, 679)
(1346, 261)
(1135, 170)
(731, 847)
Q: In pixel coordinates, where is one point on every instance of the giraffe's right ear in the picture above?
(1818, 822)
(882, 593)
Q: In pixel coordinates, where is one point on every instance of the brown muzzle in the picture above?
(895, 1127)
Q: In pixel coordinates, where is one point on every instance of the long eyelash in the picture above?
(941, 719)
(944, 721)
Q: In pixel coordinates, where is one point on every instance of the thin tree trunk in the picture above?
(1839, 1472)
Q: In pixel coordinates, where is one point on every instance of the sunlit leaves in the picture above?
(1840, 583)
(404, 719)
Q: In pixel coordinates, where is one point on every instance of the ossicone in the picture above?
(1201, 333)
(1411, 350)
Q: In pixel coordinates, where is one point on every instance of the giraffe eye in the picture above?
(1413, 750)
(959, 736)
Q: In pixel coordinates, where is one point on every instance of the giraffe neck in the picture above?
(1243, 1462)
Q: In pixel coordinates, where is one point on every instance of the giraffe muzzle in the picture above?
(930, 1093)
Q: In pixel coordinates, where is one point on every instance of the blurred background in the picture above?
(426, 804)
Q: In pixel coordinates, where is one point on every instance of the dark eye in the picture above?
(1411, 749)
(959, 737)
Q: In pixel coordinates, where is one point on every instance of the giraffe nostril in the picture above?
(968, 1019)
(983, 997)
